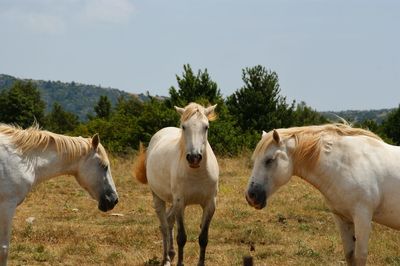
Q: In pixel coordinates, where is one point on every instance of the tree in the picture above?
(121, 131)
(193, 88)
(129, 106)
(61, 121)
(103, 107)
(305, 115)
(22, 105)
(155, 116)
(224, 135)
(258, 105)
(391, 126)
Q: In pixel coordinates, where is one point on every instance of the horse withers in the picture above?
(180, 168)
(31, 156)
(358, 174)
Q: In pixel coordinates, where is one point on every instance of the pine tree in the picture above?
(391, 126)
(198, 88)
(103, 107)
(22, 105)
(258, 105)
(61, 121)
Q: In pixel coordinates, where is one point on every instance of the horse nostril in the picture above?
(193, 158)
(252, 195)
(116, 201)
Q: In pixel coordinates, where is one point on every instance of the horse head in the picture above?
(94, 174)
(194, 125)
(273, 167)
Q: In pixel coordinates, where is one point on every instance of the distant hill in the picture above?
(80, 99)
(77, 98)
(359, 116)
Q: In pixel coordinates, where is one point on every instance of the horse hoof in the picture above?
(171, 255)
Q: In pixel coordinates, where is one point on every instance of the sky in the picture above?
(333, 55)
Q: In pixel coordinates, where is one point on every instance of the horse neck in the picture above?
(316, 178)
(50, 163)
(314, 169)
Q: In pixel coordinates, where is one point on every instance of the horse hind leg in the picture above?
(159, 206)
(171, 222)
(7, 211)
(208, 213)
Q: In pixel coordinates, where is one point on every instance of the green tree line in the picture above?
(257, 105)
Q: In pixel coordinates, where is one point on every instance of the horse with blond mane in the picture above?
(180, 168)
(358, 174)
(31, 156)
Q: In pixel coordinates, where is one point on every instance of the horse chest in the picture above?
(196, 191)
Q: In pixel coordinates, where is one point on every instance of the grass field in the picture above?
(296, 228)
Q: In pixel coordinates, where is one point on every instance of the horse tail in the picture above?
(139, 170)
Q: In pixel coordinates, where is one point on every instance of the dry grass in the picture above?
(295, 229)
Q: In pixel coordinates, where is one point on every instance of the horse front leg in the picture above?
(362, 229)
(346, 230)
(181, 235)
(171, 222)
(208, 212)
(7, 211)
(159, 206)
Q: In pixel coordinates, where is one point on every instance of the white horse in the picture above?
(181, 169)
(358, 174)
(28, 157)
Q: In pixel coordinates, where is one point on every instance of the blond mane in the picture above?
(308, 141)
(196, 109)
(33, 138)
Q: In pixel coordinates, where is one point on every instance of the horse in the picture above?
(355, 170)
(181, 169)
(31, 156)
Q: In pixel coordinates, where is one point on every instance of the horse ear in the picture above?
(95, 141)
(263, 134)
(179, 110)
(209, 110)
(276, 137)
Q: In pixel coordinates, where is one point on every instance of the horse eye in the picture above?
(183, 128)
(269, 161)
(105, 167)
(206, 127)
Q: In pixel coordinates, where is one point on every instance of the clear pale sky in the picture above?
(334, 55)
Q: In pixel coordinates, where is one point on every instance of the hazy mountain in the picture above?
(81, 99)
(72, 96)
(355, 116)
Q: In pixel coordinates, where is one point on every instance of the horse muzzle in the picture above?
(108, 201)
(194, 159)
(256, 196)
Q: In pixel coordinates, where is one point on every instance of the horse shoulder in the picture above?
(356, 168)
(167, 135)
(16, 176)
(212, 164)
